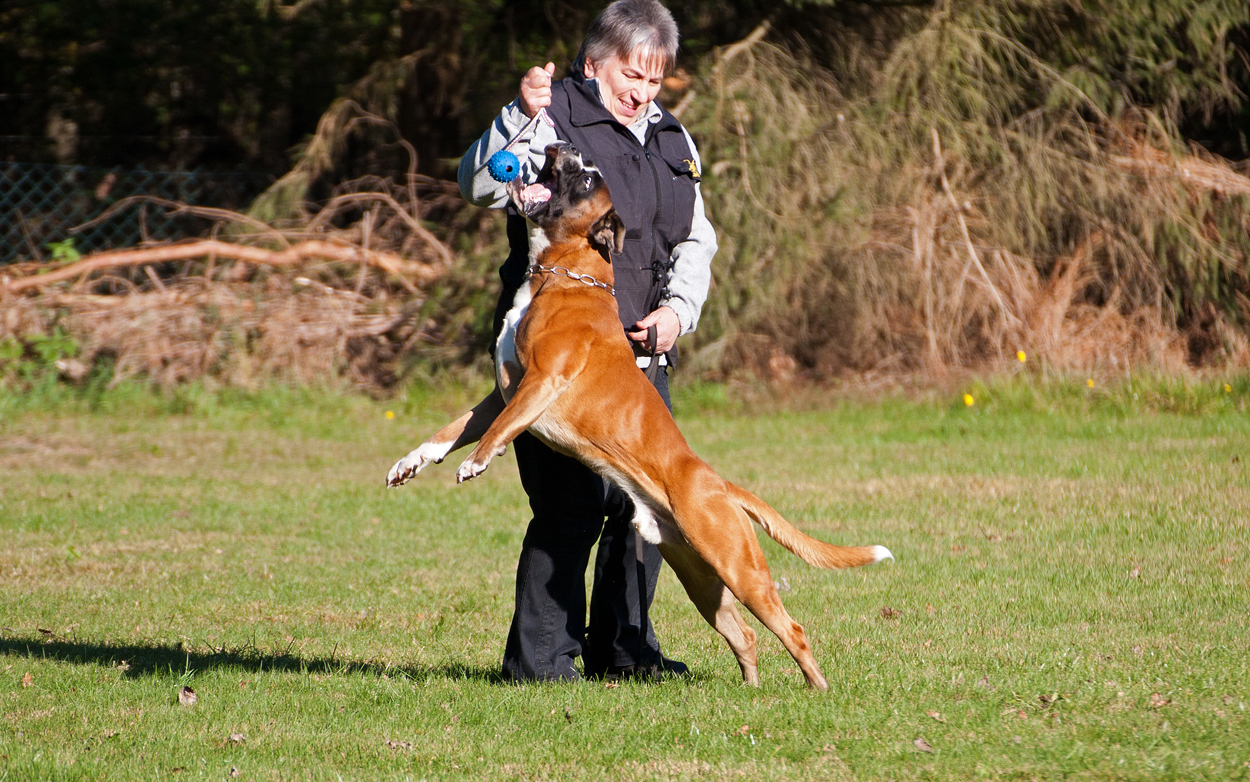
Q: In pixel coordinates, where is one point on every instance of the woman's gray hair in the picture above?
(629, 27)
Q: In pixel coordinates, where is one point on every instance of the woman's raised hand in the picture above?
(536, 89)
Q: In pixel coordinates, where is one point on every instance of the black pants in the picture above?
(549, 628)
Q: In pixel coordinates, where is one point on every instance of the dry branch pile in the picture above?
(336, 293)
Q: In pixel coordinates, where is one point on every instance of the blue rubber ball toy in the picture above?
(503, 166)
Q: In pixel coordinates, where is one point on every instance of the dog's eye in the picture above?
(587, 181)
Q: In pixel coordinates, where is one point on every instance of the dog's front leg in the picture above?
(466, 429)
(534, 395)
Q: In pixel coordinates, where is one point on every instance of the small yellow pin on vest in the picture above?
(694, 169)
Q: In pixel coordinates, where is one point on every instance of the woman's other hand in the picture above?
(667, 329)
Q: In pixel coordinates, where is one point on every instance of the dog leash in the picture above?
(652, 372)
(653, 369)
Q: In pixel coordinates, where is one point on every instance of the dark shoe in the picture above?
(650, 672)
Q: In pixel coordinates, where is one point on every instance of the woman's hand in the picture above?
(667, 328)
(536, 89)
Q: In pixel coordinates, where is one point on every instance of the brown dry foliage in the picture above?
(885, 234)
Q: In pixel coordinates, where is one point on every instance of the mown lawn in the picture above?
(1070, 597)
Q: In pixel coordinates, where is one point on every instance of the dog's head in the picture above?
(569, 200)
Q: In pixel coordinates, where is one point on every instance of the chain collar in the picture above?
(585, 279)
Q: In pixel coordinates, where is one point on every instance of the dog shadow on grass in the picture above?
(175, 660)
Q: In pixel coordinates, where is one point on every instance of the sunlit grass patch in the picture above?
(1069, 596)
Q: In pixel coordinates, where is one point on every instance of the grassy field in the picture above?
(1070, 597)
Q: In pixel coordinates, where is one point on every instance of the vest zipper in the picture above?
(656, 272)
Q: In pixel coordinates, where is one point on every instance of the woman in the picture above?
(606, 107)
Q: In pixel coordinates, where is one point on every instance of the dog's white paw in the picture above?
(407, 468)
(470, 470)
(473, 468)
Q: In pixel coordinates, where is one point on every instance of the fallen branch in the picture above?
(390, 263)
(176, 208)
(1190, 170)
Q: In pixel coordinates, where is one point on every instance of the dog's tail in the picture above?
(808, 549)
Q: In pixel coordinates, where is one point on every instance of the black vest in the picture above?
(653, 191)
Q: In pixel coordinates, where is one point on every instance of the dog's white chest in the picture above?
(507, 365)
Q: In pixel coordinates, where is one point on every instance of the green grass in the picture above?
(1064, 554)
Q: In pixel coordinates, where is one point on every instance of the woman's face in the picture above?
(627, 87)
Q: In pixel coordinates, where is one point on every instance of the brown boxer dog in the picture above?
(566, 372)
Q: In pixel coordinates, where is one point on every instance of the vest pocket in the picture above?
(634, 289)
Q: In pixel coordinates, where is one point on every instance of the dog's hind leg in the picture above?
(716, 604)
(466, 429)
(739, 561)
(756, 590)
(763, 601)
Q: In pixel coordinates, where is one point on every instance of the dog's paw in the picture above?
(470, 470)
(407, 468)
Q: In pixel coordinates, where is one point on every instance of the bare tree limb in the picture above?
(405, 271)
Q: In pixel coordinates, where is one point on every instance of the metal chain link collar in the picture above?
(585, 279)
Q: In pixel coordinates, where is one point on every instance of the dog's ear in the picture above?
(609, 231)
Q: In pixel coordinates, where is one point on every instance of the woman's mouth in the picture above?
(628, 107)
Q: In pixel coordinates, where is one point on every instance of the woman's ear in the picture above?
(609, 231)
(588, 68)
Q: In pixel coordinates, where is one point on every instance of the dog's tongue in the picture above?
(535, 194)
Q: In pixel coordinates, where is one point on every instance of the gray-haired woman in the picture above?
(607, 108)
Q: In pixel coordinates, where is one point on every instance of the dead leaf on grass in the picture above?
(1135, 572)
(233, 772)
(744, 730)
(1157, 701)
(123, 666)
(922, 745)
(27, 680)
(187, 696)
(1022, 714)
(1049, 700)
(937, 715)
(237, 738)
(890, 613)
(400, 746)
(984, 681)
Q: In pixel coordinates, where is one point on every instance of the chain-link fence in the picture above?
(39, 204)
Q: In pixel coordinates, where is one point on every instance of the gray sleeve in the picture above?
(692, 261)
(476, 184)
